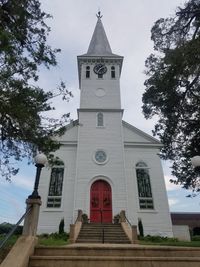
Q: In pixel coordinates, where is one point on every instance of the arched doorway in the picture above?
(100, 202)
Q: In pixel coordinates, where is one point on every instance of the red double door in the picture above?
(100, 202)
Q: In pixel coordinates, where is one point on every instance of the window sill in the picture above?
(53, 210)
(147, 211)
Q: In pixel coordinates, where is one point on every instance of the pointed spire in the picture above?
(99, 44)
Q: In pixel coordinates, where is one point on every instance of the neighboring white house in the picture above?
(107, 165)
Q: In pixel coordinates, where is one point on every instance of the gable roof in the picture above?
(70, 136)
(134, 136)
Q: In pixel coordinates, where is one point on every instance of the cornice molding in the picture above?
(99, 110)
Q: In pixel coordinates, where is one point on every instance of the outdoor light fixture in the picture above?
(196, 163)
(40, 161)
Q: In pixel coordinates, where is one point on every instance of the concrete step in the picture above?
(113, 233)
(100, 234)
(117, 250)
(109, 261)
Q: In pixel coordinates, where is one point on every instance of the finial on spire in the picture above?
(99, 16)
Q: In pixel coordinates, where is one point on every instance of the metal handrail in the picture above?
(127, 220)
(79, 216)
(2, 243)
(103, 234)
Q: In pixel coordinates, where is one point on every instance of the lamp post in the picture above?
(196, 163)
(40, 161)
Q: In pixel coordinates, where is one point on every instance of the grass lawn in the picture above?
(171, 243)
(167, 241)
(50, 241)
(4, 251)
(43, 240)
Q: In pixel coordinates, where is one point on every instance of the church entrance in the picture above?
(100, 202)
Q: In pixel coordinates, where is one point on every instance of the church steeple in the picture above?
(99, 45)
(99, 50)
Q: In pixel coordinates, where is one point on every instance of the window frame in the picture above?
(145, 202)
(87, 72)
(55, 199)
(97, 120)
(113, 72)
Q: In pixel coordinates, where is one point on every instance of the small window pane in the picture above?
(54, 202)
(112, 72)
(87, 72)
(100, 119)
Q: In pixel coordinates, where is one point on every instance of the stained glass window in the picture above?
(144, 186)
(55, 187)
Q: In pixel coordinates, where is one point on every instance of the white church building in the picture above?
(106, 165)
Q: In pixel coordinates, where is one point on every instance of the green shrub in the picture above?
(63, 236)
(140, 227)
(196, 238)
(6, 227)
(158, 239)
(44, 235)
(61, 226)
(85, 218)
(116, 219)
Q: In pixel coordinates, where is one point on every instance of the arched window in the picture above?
(87, 75)
(113, 72)
(144, 186)
(100, 121)
(55, 186)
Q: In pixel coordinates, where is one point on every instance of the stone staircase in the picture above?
(115, 255)
(93, 233)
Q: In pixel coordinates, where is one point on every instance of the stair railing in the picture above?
(11, 232)
(129, 229)
(123, 217)
(127, 220)
(102, 226)
(76, 227)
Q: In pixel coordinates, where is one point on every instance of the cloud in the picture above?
(18, 181)
(173, 201)
(24, 182)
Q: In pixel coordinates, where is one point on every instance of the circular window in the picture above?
(100, 92)
(100, 156)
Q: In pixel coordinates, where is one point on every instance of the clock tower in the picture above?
(100, 151)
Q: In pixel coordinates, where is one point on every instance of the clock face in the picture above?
(100, 69)
(100, 156)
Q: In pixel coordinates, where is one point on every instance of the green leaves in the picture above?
(23, 48)
(173, 89)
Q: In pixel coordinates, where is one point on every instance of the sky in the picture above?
(128, 26)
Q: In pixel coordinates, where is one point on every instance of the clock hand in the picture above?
(100, 69)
